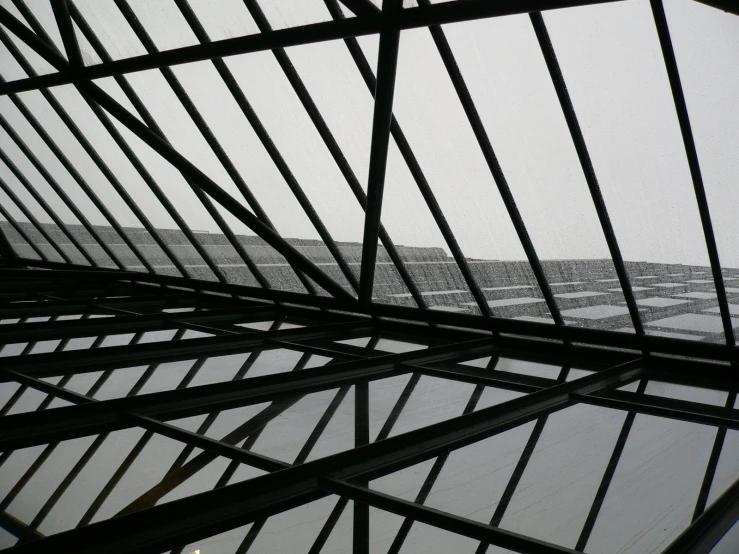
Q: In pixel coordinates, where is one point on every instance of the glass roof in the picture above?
(572, 167)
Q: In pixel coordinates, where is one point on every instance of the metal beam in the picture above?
(673, 74)
(66, 30)
(39, 427)
(212, 512)
(588, 336)
(387, 63)
(306, 34)
(586, 164)
(200, 179)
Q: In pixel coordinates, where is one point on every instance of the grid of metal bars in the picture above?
(46, 407)
(355, 290)
(71, 282)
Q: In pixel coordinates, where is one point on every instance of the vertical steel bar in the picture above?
(418, 176)
(386, 67)
(681, 107)
(329, 140)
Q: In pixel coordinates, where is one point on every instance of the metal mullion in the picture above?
(44, 205)
(418, 176)
(28, 428)
(126, 323)
(221, 509)
(115, 479)
(85, 143)
(35, 222)
(586, 164)
(6, 249)
(67, 481)
(181, 163)
(681, 410)
(18, 529)
(305, 34)
(84, 186)
(184, 99)
(483, 140)
(211, 417)
(700, 505)
(66, 30)
(133, 158)
(681, 108)
(172, 480)
(362, 8)
(271, 149)
(54, 186)
(59, 154)
(387, 63)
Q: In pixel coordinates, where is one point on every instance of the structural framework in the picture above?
(220, 333)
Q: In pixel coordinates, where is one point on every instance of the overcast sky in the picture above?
(611, 61)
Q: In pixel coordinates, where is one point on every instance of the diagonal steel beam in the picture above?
(164, 149)
(465, 98)
(387, 63)
(578, 139)
(681, 107)
(66, 30)
(33, 221)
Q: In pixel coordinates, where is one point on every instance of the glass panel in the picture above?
(703, 39)
(311, 426)
(447, 150)
(300, 530)
(607, 54)
(558, 464)
(727, 470)
(654, 489)
(683, 392)
(522, 367)
(503, 67)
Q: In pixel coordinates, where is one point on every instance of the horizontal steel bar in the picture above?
(73, 306)
(56, 363)
(582, 335)
(126, 323)
(452, 523)
(683, 410)
(292, 36)
(182, 521)
(39, 427)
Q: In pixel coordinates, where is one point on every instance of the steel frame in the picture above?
(144, 527)
(72, 289)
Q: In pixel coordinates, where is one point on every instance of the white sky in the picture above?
(613, 67)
